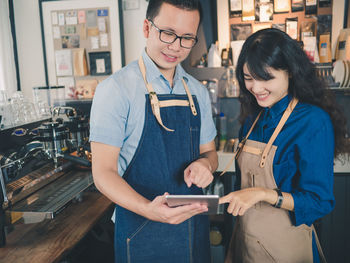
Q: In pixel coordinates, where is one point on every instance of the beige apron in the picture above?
(265, 233)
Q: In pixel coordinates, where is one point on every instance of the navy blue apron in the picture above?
(167, 146)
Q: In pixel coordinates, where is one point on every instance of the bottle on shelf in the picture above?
(226, 56)
(223, 130)
(231, 89)
(214, 58)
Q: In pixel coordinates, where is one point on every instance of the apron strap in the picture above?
(279, 127)
(156, 104)
(190, 99)
(319, 248)
(170, 103)
(152, 96)
(240, 146)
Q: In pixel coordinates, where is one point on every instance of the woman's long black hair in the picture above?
(275, 49)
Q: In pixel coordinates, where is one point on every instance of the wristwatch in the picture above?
(279, 198)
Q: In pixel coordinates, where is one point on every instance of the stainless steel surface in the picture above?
(37, 170)
(33, 181)
(56, 110)
(51, 199)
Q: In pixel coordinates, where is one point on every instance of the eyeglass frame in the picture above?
(176, 36)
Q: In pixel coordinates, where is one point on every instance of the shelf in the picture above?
(206, 73)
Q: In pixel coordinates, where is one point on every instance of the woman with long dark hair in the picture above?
(291, 132)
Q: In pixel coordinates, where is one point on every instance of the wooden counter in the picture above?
(51, 240)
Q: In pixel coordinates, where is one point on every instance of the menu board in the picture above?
(82, 44)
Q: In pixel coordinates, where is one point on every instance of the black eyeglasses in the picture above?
(170, 37)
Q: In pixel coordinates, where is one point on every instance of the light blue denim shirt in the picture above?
(118, 108)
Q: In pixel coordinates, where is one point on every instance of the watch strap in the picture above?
(279, 198)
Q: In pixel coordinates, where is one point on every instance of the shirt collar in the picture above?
(152, 71)
(277, 109)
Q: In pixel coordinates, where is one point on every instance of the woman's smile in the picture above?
(267, 92)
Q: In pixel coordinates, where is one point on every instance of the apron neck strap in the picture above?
(251, 128)
(283, 120)
(154, 98)
(143, 72)
(190, 99)
(279, 127)
(240, 146)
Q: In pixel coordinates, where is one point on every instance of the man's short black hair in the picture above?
(190, 5)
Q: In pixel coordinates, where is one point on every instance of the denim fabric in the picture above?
(157, 167)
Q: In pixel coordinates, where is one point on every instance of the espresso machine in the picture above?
(43, 167)
(60, 138)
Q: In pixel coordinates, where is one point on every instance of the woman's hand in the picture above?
(159, 211)
(240, 201)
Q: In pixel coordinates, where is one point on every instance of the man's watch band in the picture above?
(279, 198)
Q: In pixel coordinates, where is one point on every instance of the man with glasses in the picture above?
(152, 134)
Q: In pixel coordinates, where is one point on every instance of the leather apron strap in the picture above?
(156, 104)
(279, 127)
(240, 146)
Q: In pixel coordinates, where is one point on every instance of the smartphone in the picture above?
(212, 201)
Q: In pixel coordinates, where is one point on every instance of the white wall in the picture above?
(223, 23)
(29, 45)
(29, 42)
(133, 36)
(8, 79)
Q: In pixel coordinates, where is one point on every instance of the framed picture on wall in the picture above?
(235, 8)
(78, 21)
(240, 31)
(281, 6)
(292, 27)
(248, 10)
(264, 11)
(100, 63)
(297, 5)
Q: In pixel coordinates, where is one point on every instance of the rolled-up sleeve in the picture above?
(208, 130)
(313, 191)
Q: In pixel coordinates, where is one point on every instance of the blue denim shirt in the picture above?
(118, 108)
(303, 163)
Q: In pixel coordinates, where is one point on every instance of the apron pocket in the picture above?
(266, 251)
(251, 180)
(151, 242)
(252, 183)
(133, 236)
(251, 249)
